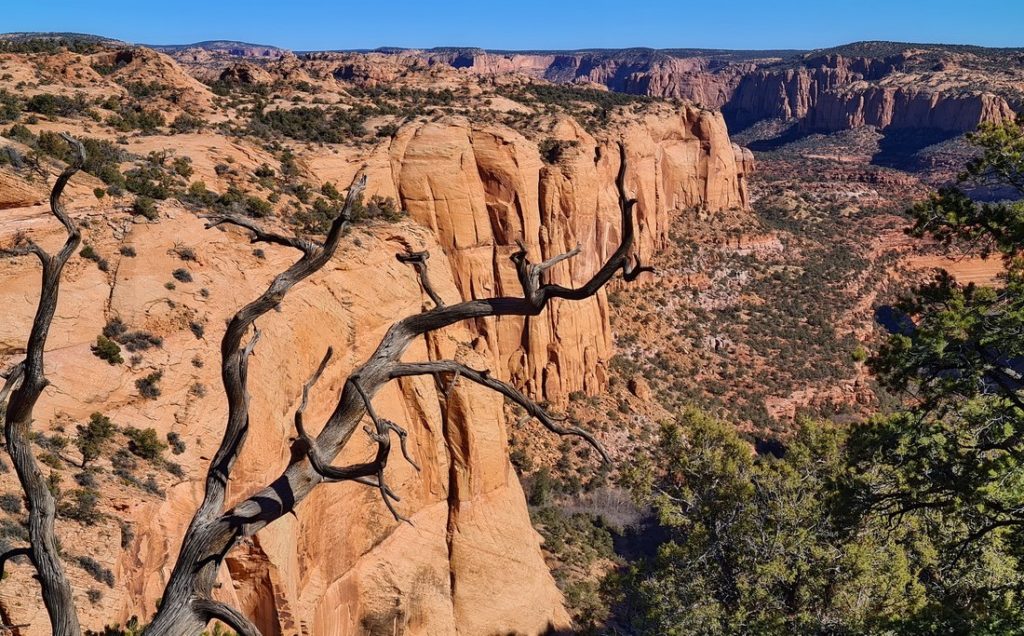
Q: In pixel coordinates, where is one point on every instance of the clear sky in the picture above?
(529, 24)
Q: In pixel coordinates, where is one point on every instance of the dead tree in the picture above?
(188, 605)
(23, 386)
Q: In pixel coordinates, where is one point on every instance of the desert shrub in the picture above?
(151, 486)
(52, 105)
(182, 275)
(107, 349)
(136, 117)
(96, 570)
(182, 167)
(144, 443)
(145, 207)
(311, 123)
(185, 253)
(90, 253)
(186, 123)
(52, 460)
(127, 250)
(152, 179)
(177, 444)
(10, 107)
(149, 386)
(81, 505)
(122, 460)
(86, 479)
(553, 150)
(94, 595)
(318, 218)
(92, 437)
(138, 340)
(197, 329)
(11, 503)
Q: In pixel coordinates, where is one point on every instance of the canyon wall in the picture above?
(834, 93)
(471, 563)
(826, 93)
(482, 188)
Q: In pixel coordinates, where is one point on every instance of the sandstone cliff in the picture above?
(934, 88)
(472, 563)
(480, 188)
(835, 93)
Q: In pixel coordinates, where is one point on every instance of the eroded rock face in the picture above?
(471, 564)
(482, 188)
(825, 93)
(837, 93)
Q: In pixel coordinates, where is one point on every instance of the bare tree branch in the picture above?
(13, 553)
(419, 261)
(259, 235)
(24, 387)
(212, 534)
(233, 364)
(485, 379)
(213, 610)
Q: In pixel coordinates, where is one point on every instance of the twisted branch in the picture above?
(22, 389)
(210, 537)
(214, 610)
(419, 261)
(13, 553)
(484, 378)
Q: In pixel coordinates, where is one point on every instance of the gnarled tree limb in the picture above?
(212, 533)
(484, 378)
(214, 610)
(24, 387)
(419, 261)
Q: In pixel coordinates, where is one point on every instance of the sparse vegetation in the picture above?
(149, 386)
(107, 349)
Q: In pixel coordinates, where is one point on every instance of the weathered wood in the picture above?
(24, 387)
(213, 533)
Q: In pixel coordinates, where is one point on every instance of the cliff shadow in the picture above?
(901, 148)
(787, 136)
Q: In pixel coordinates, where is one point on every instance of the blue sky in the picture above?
(526, 24)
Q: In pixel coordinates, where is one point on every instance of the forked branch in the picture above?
(23, 387)
(212, 534)
(484, 378)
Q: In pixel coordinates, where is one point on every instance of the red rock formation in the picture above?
(472, 563)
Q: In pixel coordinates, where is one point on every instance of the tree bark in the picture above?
(24, 386)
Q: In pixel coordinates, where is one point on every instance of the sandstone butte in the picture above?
(472, 562)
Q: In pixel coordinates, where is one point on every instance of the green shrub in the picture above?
(52, 105)
(107, 349)
(10, 107)
(81, 505)
(149, 386)
(186, 123)
(145, 207)
(92, 438)
(145, 443)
